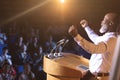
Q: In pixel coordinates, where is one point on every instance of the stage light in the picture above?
(62, 1)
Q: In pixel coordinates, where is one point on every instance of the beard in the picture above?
(103, 29)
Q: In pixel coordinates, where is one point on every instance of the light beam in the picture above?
(24, 12)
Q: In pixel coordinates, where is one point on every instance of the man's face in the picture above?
(104, 25)
(5, 51)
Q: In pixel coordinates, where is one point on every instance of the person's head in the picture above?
(50, 38)
(40, 49)
(27, 68)
(5, 50)
(110, 23)
(34, 39)
(20, 39)
(24, 48)
(6, 68)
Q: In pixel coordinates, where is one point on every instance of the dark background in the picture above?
(53, 17)
(54, 13)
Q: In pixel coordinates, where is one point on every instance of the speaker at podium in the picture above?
(66, 67)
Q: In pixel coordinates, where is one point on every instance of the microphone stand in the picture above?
(57, 54)
(60, 51)
(54, 55)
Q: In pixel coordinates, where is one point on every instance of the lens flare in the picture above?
(62, 1)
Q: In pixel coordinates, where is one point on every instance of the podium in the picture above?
(67, 67)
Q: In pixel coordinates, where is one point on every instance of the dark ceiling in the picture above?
(51, 11)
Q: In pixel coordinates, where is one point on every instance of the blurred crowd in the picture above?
(21, 54)
(22, 50)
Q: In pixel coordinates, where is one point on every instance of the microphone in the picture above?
(52, 55)
(66, 41)
(60, 41)
(63, 42)
(60, 47)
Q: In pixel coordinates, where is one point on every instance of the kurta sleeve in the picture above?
(92, 35)
(89, 46)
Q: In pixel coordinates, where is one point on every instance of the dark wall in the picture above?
(54, 13)
(55, 18)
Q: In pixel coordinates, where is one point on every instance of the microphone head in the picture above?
(64, 41)
(60, 41)
(67, 41)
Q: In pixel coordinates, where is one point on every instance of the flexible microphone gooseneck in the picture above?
(57, 54)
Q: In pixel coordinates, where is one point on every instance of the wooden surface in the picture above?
(52, 77)
(64, 67)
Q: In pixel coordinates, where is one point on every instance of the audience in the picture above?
(27, 74)
(3, 37)
(22, 47)
(38, 63)
(49, 44)
(8, 72)
(22, 57)
(33, 45)
(5, 57)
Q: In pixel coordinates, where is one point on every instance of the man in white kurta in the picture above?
(103, 48)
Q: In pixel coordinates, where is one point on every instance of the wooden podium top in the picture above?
(69, 65)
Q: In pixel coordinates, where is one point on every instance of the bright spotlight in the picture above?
(62, 1)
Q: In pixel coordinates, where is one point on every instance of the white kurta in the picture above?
(102, 50)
